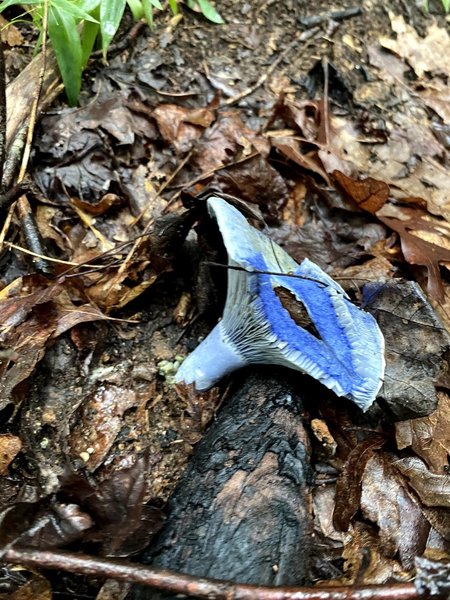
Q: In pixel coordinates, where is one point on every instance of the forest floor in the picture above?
(334, 125)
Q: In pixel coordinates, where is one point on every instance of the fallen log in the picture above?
(241, 510)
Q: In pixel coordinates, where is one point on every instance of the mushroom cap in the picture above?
(345, 350)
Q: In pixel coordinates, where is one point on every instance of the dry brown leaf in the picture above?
(375, 269)
(182, 126)
(10, 34)
(101, 207)
(290, 148)
(255, 181)
(199, 410)
(324, 499)
(222, 141)
(369, 194)
(432, 489)
(29, 323)
(10, 446)
(436, 95)
(428, 436)
(392, 67)
(36, 587)
(324, 437)
(413, 230)
(386, 501)
(70, 315)
(305, 117)
(365, 547)
(423, 54)
(26, 331)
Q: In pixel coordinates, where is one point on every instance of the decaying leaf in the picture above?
(415, 345)
(290, 148)
(369, 194)
(417, 250)
(10, 446)
(200, 409)
(255, 181)
(366, 563)
(348, 487)
(324, 499)
(10, 34)
(122, 523)
(30, 323)
(386, 502)
(428, 436)
(28, 341)
(24, 584)
(423, 54)
(75, 138)
(43, 524)
(432, 489)
(222, 142)
(182, 126)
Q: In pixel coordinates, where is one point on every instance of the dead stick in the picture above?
(2, 112)
(209, 589)
(337, 15)
(29, 228)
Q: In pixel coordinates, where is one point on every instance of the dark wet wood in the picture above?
(241, 510)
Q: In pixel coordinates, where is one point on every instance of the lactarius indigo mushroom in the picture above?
(343, 349)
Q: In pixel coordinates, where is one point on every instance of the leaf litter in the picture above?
(95, 435)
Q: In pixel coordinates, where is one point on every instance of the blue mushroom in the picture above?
(345, 352)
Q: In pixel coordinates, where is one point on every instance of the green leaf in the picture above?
(148, 9)
(209, 11)
(73, 9)
(7, 3)
(88, 5)
(88, 37)
(446, 5)
(63, 33)
(136, 8)
(111, 12)
(174, 6)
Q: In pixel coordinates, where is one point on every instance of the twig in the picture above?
(200, 587)
(37, 95)
(3, 112)
(13, 157)
(29, 228)
(304, 36)
(337, 15)
(261, 272)
(50, 259)
(127, 40)
(13, 193)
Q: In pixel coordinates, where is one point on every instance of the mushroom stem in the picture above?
(214, 358)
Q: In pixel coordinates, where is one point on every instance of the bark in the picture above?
(241, 510)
